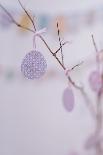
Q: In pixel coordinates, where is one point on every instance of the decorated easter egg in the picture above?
(33, 65)
(68, 99)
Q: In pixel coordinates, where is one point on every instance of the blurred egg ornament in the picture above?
(44, 21)
(95, 81)
(33, 65)
(24, 20)
(68, 99)
(62, 22)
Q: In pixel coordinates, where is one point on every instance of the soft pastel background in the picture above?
(33, 120)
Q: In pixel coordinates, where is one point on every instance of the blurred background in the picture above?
(33, 119)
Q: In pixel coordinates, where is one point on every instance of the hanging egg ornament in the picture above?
(68, 99)
(95, 81)
(33, 65)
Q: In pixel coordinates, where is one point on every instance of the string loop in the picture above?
(38, 33)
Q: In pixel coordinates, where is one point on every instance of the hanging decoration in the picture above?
(33, 65)
(68, 99)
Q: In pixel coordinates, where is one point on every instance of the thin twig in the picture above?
(96, 50)
(94, 43)
(60, 44)
(79, 64)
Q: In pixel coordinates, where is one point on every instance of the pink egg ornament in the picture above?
(68, 99)
(95, 81)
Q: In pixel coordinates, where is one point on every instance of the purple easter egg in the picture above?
(68, 99)
(33, 65)
(95, 81)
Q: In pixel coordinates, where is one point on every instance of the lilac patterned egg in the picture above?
(68, 99)
(33, 65)
(95, 81)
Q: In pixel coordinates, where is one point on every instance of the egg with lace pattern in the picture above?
(33, 65)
